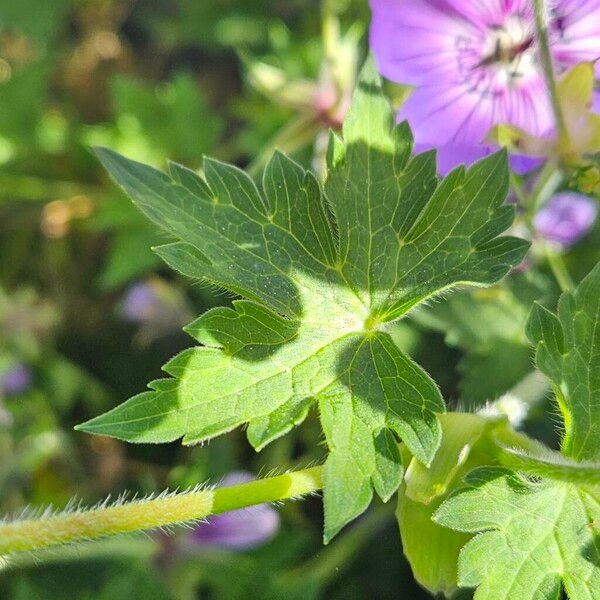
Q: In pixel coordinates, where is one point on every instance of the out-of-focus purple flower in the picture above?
(475, 65)
(157, 306)
(15, 380)
(141, 302)
(240, 529)
(566, 218)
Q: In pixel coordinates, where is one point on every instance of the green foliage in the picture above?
(170, 119)
(320, 282)
(228, 23)
(37, 19)
(24, 93)
(175, 117)
(567, 352)
(431, 549)
(488, 326)
(132, 236)
(530, 536)
(537, 536)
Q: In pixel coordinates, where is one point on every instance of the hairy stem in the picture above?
(550, 466)
(541, 24)
(138, 515)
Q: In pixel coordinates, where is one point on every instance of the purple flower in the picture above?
(566, 218)
(15, 380)
(475, 65)
(240, 529)
(158, 307)
(141, 302)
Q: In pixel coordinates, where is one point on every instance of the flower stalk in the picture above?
(541, 23)
(559, 269)
(163, 511)
(331, 36)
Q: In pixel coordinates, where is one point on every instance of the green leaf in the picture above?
(531, 536)
(432, 550)
(536, 537)
(567, 350)
(321, 274)
(175, 116)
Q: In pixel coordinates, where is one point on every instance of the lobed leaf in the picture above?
(320, 274)
(533, 537)
(568, 352)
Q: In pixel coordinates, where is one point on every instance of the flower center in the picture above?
(509, 48)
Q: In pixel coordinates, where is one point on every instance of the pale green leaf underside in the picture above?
(319, 280)
(568, 352)
(532, 538)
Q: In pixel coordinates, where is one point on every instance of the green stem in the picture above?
(518, 451)
(107, 549)
(547, 183)
(163, 511)
(549, 465)
(559, 269)
(331, 36)
(517, 187)
(541, 23)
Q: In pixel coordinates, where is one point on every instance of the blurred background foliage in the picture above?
(88, 314)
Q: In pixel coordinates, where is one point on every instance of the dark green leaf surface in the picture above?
(568, 352)
(320, 278)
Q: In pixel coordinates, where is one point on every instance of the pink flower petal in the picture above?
(436, 114)
(456, 114)
(418, 42)
(576, 32)
(528, 107)
(439, 46)
(451, 156)
(489, 12)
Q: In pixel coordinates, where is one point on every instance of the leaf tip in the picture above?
(369, 73)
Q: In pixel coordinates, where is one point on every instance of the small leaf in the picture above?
(536, 537)
(567, 351)
(321, 274)
(531, 536)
